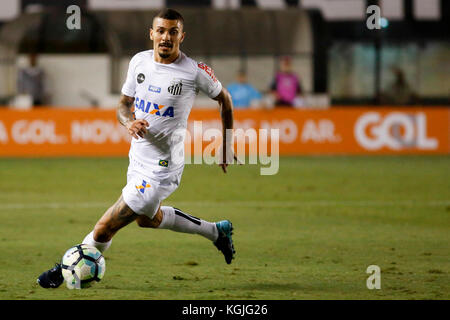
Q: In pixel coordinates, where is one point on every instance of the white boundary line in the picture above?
(246, 204)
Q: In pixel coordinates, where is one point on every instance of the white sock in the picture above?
(176, 220)
(102, 246)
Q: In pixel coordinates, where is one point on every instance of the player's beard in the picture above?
(164, 55)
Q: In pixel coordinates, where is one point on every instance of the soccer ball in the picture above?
(81, 265)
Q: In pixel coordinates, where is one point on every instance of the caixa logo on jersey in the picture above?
(396, 131)
(153, 108)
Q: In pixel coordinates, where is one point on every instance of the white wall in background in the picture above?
(10, 9)
(69, 75)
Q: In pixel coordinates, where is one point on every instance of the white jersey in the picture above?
(164, 94)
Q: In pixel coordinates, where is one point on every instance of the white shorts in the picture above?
(144, 192)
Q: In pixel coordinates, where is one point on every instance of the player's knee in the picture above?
(146, 222)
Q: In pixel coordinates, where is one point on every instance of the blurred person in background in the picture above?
(399, 92)
(285, 87)
(243, 94)
(31, 81)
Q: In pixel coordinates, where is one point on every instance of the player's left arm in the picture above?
(226, 113)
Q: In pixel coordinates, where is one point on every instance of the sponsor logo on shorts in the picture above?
(164, 163)
(143, 186)
(140, 78)
(154, 89)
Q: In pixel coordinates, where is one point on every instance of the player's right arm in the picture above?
(136, 128)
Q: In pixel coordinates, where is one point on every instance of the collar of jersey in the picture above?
(152, 54)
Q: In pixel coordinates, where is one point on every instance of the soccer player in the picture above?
(161, 84)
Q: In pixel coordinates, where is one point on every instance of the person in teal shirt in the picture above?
(242, 93)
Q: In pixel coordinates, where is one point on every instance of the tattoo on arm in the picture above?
(124, 113)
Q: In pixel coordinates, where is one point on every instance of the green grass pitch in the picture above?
(309, 232)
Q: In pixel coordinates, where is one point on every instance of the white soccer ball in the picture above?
(81, 265)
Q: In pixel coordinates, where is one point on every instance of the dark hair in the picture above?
(170, 14)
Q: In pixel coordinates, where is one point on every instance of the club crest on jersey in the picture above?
(140, 78)
(153, 108)
(175, 87)
(143, 186)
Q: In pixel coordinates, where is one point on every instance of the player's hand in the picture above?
(137, 128)
(225, 165)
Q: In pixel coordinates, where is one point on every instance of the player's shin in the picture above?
(177, 220)
(102, 246)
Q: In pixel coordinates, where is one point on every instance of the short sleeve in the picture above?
(207, 82)
(129, 87)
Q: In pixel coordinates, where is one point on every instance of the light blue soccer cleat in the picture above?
(224, 242)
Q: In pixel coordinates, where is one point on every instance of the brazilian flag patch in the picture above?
(164, 163)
